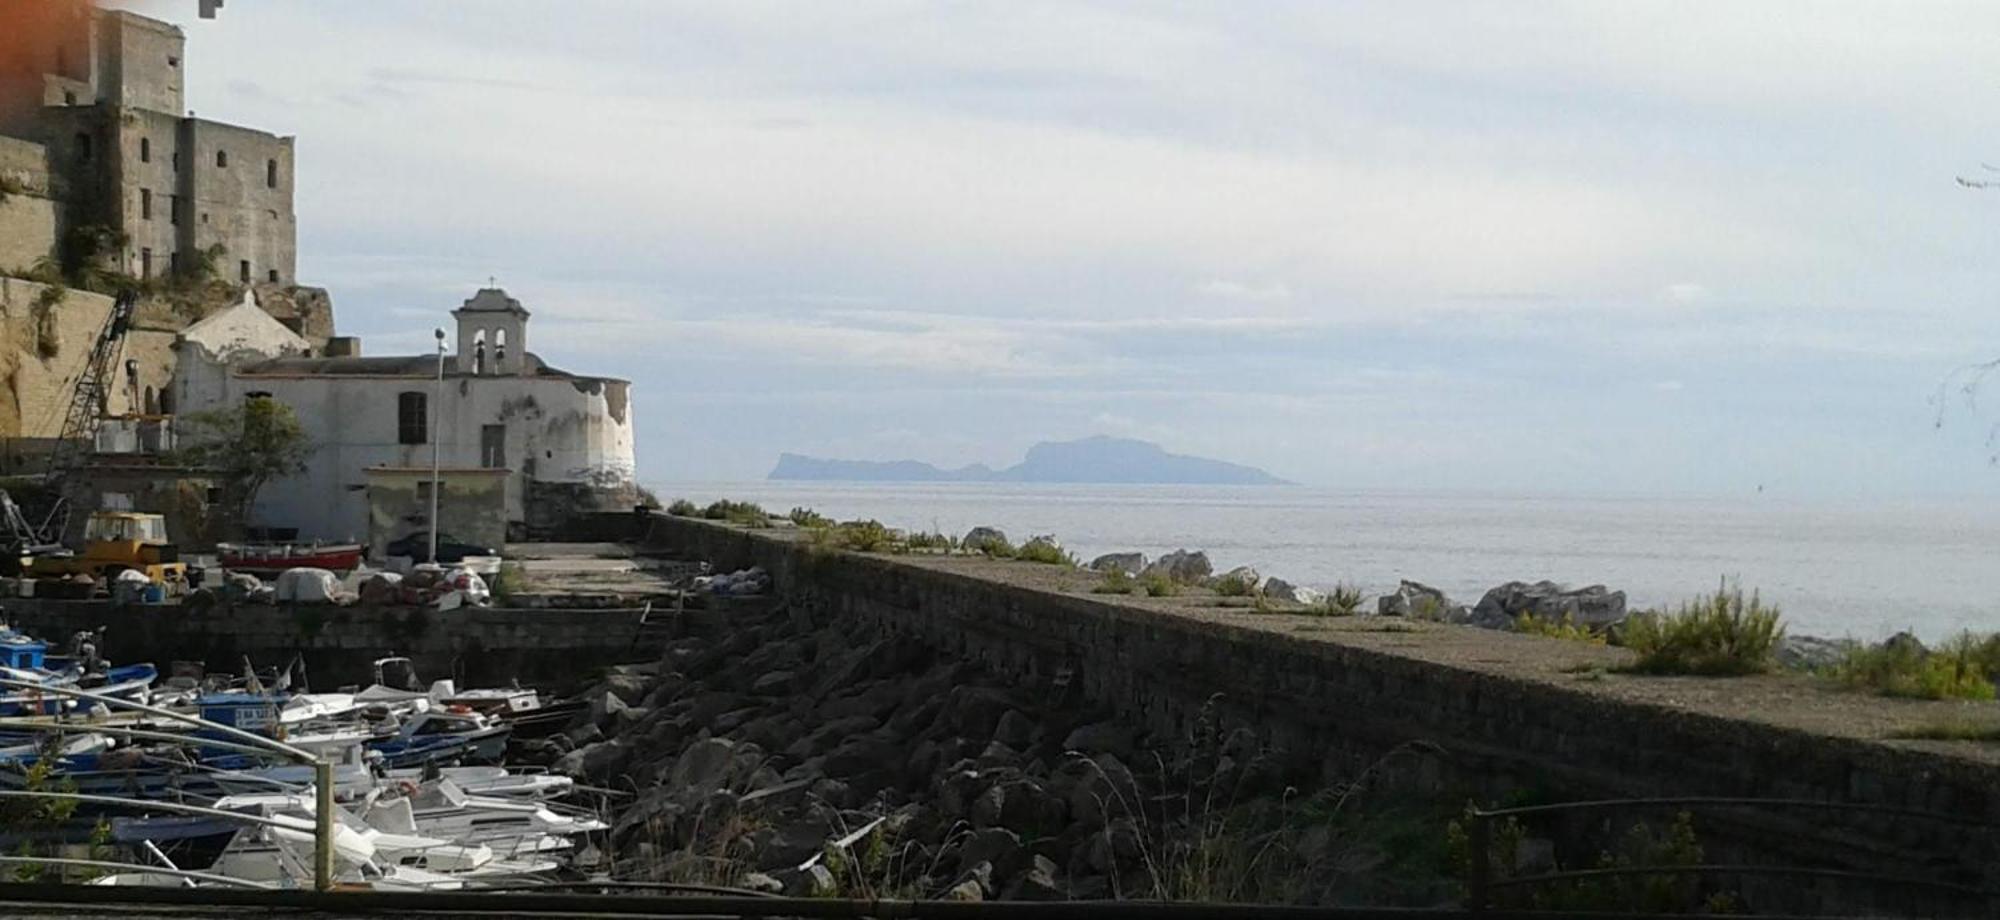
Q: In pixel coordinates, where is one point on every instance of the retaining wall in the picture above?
(559, 649)
(1335, 707)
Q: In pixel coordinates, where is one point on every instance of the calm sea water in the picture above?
(1862, 569)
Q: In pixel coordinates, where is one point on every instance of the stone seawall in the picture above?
(479, 647)
(1338, 697)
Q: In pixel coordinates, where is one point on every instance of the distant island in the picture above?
(1100, 459)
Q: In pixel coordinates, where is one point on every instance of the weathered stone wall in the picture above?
(42, 350)
(479, 647)
(1334, 706)
(28, 209)
(472, 506)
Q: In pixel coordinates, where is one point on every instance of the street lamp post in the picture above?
(437, 437)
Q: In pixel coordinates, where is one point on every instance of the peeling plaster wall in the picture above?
(557, 430)
(473, 507)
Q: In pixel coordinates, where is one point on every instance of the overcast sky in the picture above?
(1555, 247)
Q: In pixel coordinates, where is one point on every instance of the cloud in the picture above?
(1354, 225)
(1236, 290)
(1684, 293)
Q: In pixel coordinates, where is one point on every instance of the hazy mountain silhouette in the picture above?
(1100, 459)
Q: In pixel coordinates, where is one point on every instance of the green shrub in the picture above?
(1045, 550)
(645, 498)
(1716, 635)
(1344, 600)
(1961, 668)
(994, 547)
(1235, 584)
(734, 512)
(931, 542)
(1158, 585)
(806, 517)
(869, 536)
(1566, 628)
(683, 508)
(1116, 581)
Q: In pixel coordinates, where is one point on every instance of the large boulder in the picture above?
(596, 762)
(1593, 607)
(1420, 601)
(1129, 563)
(1811, 653)
(1278, 589)
(980, 539)
(1239, 580)
(1182, 566)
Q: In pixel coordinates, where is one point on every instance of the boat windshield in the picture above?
(125, 527)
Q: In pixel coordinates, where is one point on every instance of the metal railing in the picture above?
(322, 767)
(1481, 881)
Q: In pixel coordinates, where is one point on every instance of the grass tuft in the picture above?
(746, 514)
(806, 517)
(1565, 628)
(1718, 635)
(1116, 581)
(1047, 551)
(1961, 668)
(1344, 600)
(1235, 585)
(1158, 585)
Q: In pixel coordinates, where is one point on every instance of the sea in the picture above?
(1860, 568)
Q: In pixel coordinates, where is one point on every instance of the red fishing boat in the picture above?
(277, 557)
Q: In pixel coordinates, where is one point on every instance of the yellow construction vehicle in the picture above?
(117, 541)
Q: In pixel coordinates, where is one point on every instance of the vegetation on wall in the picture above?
(1718, 635)
(1961, 668)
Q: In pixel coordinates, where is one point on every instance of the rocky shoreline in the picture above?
(783, 755)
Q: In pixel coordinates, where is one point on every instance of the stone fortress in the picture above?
(94, 117)
(105, 174)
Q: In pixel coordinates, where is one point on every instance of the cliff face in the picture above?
(46, 336)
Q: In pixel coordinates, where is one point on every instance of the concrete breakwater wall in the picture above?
(1336, 700)
(551, 648)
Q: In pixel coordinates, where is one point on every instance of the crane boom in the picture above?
(88, 403)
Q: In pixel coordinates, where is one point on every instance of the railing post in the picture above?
(323, 825)
(1477, 892)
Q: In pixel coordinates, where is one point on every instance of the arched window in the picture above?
(152, 405)
(479, 352)
(499, 348)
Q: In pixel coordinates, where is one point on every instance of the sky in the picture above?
(1549, 247)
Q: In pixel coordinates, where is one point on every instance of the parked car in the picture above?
(449, 550)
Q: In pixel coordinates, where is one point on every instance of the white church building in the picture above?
(559, 441)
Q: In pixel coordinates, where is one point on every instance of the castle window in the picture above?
(145, 150)
(145, 263)
(270, 173)
(412, 417)
(271, 276)
(145, 204)
(173, 61)
(69, 98)
(222, 159)
(243, 271)
(82, 147)
(173, 210)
